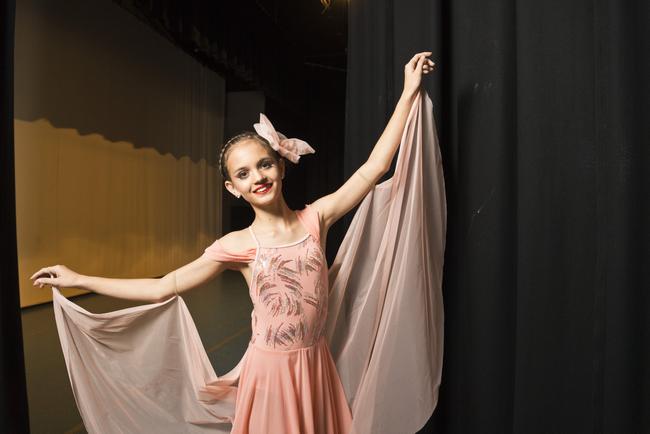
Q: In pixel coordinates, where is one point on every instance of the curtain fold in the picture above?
(13, 389)
(544, 123)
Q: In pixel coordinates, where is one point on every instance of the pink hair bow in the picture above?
(291, 149)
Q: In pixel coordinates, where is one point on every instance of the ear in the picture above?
(231, 188)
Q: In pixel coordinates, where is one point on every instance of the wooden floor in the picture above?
(221, 311)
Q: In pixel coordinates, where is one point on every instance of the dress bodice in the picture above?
(289, 294)
(288, 287)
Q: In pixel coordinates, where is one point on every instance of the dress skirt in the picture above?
(295, 391)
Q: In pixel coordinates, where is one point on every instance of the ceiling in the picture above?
(255, 44)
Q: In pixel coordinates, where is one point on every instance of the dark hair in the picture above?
(246, 135)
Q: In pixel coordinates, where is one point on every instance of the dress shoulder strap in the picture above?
(310, 218)
(250, 229)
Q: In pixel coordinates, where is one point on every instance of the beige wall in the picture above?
(116, 134)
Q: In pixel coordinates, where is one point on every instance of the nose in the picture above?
(259, 177)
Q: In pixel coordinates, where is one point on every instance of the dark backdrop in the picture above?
(543, 116)
(13, 391)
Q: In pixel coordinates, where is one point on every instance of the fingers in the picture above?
(45, 281)
(415, 60)
(417, 67)
(51, 281)
(428, 66)
(44, 271)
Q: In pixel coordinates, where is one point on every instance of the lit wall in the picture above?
(116, 138)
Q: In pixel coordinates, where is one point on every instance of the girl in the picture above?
(288, 382)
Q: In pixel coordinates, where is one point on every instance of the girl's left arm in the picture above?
(335, 205)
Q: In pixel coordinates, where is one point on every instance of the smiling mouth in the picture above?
(263, 189)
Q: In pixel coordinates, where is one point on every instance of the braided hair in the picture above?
(246, 135)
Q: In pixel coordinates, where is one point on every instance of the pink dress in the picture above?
(288, 382)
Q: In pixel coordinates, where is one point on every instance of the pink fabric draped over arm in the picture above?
(145, 368)
(141, 369)
(385, 319)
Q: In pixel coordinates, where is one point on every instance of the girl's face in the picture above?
(254, 173)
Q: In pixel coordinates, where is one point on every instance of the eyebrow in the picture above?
(261, 160)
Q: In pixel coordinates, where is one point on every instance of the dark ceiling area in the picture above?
(255, 44)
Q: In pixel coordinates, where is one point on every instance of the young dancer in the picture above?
(288, 381)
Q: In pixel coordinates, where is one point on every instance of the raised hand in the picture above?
(413, 70)
(59, 276)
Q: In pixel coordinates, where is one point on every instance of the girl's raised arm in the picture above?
(189, 276)
(335, 205)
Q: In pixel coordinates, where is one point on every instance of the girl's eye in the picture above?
(243, 173)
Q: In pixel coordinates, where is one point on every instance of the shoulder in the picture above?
(311, 218)
(236, 241)
(315, 212)
(232, 247)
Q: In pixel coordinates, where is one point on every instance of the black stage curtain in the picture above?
(13, 390)
(543, 110)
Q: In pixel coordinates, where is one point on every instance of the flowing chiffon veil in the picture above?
(144, 369)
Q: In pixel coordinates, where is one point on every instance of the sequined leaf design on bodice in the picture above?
(280, 289)
(276, 302)
(287, 335)
(313, 261)
(281, 304)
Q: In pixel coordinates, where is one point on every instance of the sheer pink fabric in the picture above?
(385, 320)
(144, 369)
(141, 369)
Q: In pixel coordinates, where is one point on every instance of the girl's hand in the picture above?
(57, 275)
(413, 70)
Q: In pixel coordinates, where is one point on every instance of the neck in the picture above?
(275, 217)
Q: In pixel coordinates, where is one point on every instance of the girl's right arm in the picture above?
(189, 276)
